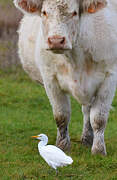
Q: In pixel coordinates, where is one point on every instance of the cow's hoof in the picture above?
(99, 150)
(87, 140)
(63, 144)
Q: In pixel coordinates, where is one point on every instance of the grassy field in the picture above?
(25, 111)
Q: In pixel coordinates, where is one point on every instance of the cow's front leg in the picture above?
(99, 113)
(62, 121)
(87, 134)
(61, 109)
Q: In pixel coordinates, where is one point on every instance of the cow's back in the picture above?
(28, 32)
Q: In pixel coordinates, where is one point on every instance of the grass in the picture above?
(25, 111)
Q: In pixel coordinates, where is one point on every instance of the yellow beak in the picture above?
(34, 136)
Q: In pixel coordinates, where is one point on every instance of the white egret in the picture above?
(54, 156)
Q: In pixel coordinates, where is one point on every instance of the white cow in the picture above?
(71, 47)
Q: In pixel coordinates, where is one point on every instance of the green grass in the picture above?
(25, 111)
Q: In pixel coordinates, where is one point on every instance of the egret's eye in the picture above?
(44, 13)
(74, 13)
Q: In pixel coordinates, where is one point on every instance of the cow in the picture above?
(70, 46)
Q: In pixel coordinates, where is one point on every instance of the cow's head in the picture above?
(59, 20)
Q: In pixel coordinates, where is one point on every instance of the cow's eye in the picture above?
(74, 13)
(44, 13)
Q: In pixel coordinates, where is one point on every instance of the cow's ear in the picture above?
(29, 6)
(92, 6)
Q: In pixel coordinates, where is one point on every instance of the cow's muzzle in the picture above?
(56, 42)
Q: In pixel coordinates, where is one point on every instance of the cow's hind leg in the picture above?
(87, 134)
(61, 109)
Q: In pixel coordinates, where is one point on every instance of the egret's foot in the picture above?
(56, 172)
(99, 149)
(87, 140)
(63, 144)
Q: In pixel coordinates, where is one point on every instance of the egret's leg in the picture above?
(87, 134)
(56, 172)
(61, 109)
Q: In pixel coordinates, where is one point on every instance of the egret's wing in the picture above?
(55, 156)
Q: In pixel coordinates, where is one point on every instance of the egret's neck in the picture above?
(42, 143)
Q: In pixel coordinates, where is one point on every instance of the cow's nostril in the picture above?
(49, 41)
(63, 40)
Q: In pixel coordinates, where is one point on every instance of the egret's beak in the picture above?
(34, 136)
